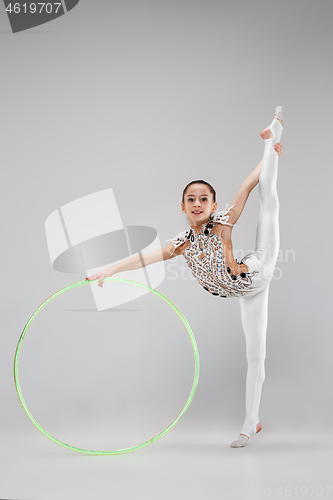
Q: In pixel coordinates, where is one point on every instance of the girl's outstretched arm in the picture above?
(241, 197)
(134, 262)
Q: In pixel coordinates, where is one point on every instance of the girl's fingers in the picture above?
(96, 276)
(278, 147)
(93, 277)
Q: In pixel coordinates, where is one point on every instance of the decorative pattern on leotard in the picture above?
(205, 257)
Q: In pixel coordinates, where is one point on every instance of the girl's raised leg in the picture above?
(268, 234)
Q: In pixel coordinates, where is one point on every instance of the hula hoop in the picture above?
(124, 450)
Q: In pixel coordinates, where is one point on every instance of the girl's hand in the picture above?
(101, 275)
(278, 147)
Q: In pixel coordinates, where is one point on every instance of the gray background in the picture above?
(143, 97)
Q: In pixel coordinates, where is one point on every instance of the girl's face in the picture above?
(198, 204)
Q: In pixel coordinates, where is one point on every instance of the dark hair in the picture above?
(212, 190)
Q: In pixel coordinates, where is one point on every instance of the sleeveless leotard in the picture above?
(205, 257)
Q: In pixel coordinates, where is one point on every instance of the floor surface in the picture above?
(176, 466)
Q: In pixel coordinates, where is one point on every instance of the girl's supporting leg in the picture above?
(254, 322)
(254, 314)
(254, 308)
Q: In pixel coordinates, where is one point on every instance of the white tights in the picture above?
(254, 306)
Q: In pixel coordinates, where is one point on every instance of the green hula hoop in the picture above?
(124, 450)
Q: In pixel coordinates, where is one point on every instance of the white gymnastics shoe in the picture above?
(275, 128)
(240, 442)
(279, 114)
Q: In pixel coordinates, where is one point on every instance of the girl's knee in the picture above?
(256, 364)
(270, 202)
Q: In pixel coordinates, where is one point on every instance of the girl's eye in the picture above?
(204, 199)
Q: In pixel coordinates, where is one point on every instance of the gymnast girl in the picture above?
(207, 248)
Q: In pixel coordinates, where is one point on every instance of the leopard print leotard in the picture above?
(205, 257)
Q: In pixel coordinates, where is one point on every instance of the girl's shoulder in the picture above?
(222, 217)
(179, 240)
